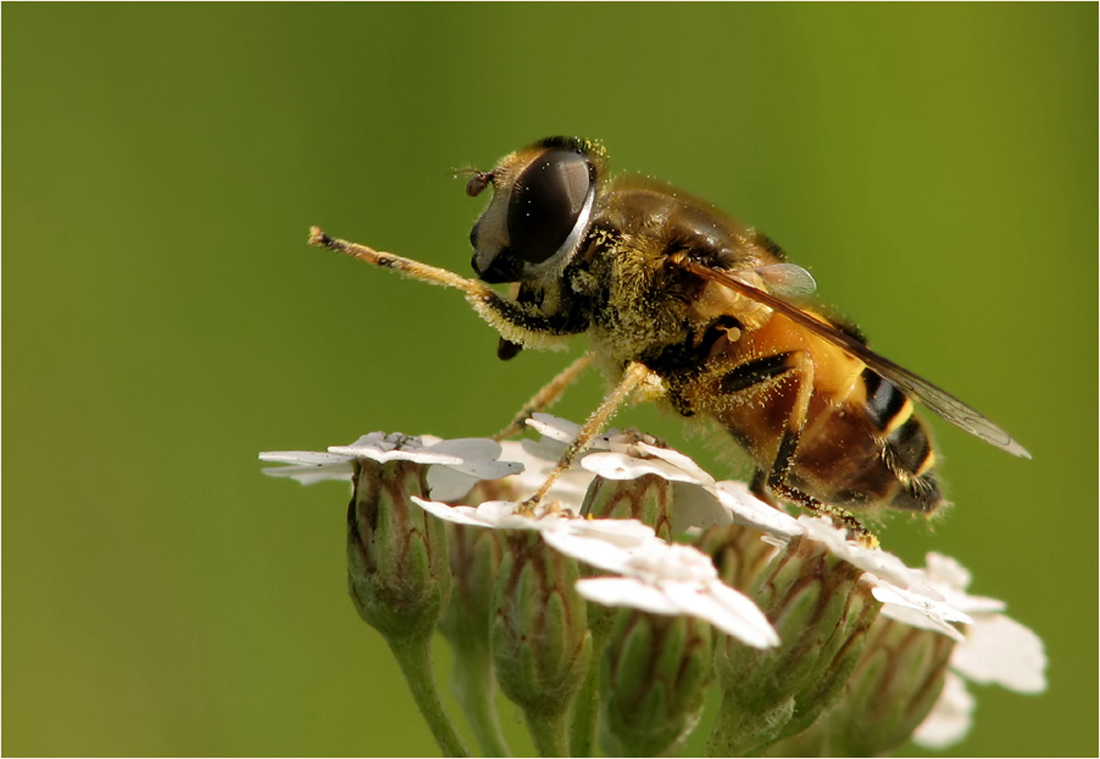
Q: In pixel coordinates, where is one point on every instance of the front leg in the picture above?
(521, 323)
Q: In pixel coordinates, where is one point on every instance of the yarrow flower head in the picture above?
(821, 644)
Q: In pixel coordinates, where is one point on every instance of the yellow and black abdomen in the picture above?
(868, 451)
(817, 417)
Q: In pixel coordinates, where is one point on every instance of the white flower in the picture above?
(658, 577)
(676, 579)
(995, 650)
(654, 576)
(998, 650)
(627, 455)
(497, 515)
(308, 467)
(746, 509)
(630, 459)
(569, 490)
(916, 609)
(907, 594)
(456, 464)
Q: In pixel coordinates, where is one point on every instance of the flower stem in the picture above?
(582, 730)
(473, 685)
(415, 659)
(550, 732)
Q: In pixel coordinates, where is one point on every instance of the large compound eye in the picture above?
(546, 202)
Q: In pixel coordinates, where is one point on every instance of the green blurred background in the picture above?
(934, 166)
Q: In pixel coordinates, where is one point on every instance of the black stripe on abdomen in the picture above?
(884, 400)
(908, 447)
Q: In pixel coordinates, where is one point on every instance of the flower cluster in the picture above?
(606, 610)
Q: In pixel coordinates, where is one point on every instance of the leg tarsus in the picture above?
(633, 376)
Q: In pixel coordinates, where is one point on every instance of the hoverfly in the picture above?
(687, 305)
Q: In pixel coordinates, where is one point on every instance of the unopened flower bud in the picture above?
(821, 613)
(889, 693)
(656, 670)
(398, 574)
(539, 635)
(475, 559)
(646, 498)
(739, 554)
(475, 555)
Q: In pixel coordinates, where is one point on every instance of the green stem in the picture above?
(473, 684)
(415, 659)
(582, 730)
(550, 732)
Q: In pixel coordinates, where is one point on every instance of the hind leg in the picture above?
(797, 368)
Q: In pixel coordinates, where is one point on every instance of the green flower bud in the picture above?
(656, 670)
(475, 559)
(539, 635)
(739, 554)
(475, 555)
(647, 498)
(892, 689)
(821, 614)
(398, 573)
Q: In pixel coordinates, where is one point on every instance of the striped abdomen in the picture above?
(871, 450)
(851, 441)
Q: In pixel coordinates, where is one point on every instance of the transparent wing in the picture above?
(787, 280)
(938, 400)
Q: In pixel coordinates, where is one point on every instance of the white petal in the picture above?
(568, 491)
(447, 484)
(457, 514)
(312, 466)
(950, 719)
(947, 571)
(471, 448)
(478, 458)
(876, 561)
(747, 509)
(729, 610)
(614, 465)
(975, 606)
(312, 458)
(554, 427)
(504, 515)
(626, 591)
(499, 515)
(1000, 650)
(608, 544)
(598, 553)
(376, 453)
(545, 449)
(308, 475)
(915, 609)
(684, 463)
(723, 607)
(696, 508)
(628, 534)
